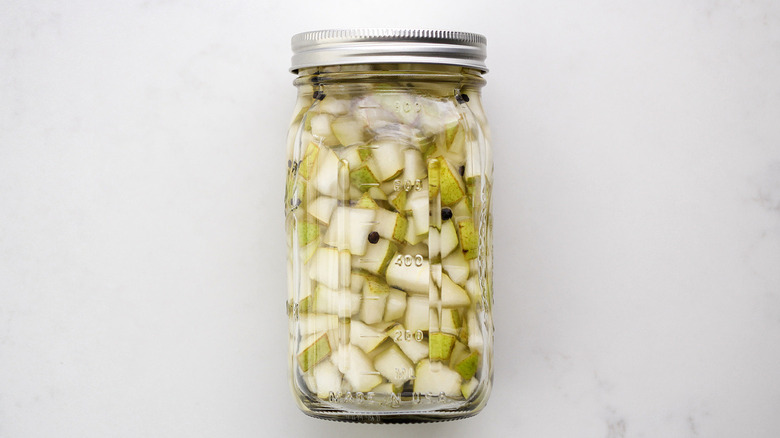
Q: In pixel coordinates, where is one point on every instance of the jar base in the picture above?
(390, 417)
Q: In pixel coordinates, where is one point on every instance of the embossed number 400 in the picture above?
(408, 260)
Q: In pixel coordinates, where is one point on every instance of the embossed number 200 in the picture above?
(408, 335)
(407, 260)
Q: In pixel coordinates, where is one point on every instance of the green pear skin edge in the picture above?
(309, 159)
(307, 232)
(440, 345)
(468, 238)
(366, 201)
(398, 201)
(305, 304)
(399, 233)
(363, 178)
(451, 188)
(433, 177)
(468, 366)
(314, 353)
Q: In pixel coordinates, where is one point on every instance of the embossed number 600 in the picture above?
(407, 185)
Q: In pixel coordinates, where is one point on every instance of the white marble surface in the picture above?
(637, 216)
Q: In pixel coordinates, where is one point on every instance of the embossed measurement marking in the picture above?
(404, 373)
(408, 335)
(407, 107)
(408, 260)
(407, 185)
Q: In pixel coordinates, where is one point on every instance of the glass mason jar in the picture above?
(388, 220)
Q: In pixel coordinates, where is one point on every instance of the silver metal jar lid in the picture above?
(371, 46)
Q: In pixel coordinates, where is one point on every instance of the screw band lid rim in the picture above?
(393, 46)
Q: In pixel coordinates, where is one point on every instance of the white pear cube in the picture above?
(352, 155)
(313, 324)
(448, 238)
(417, 316)
(387, 187)
(436, 379)
(327, 378)
(433, 319)
(348, 130)
(305, 253)
(473, 288)
(394, 366)
(475, 160)
(457, 267)
(356, 282)
(456, 151)
(349, 228)
(365, 336)
(334, 106)
(388, 158)
(326, 173)
(413, 250)
(375, 295)
(354, 193)
(322, 208)
(376, 258)
(320, 128)
(404, 273)
(331, 267)
(390, 225)
(452, 295)
(408, 342)
(461, 209)
(417, 202)
(468, 388)
(357, 368)
(450, 321)
(475, 333)
(434, 241)
(377, 193)
(396, 305)
(412, 238)
(414, 167)
(385, 388)
(341, 302)
(436, 283)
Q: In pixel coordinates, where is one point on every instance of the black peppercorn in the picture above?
(373, 237)
(446, 213)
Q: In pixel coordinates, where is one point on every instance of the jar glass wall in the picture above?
(388, 220)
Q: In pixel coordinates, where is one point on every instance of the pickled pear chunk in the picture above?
(313, 353)
(436, 380)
